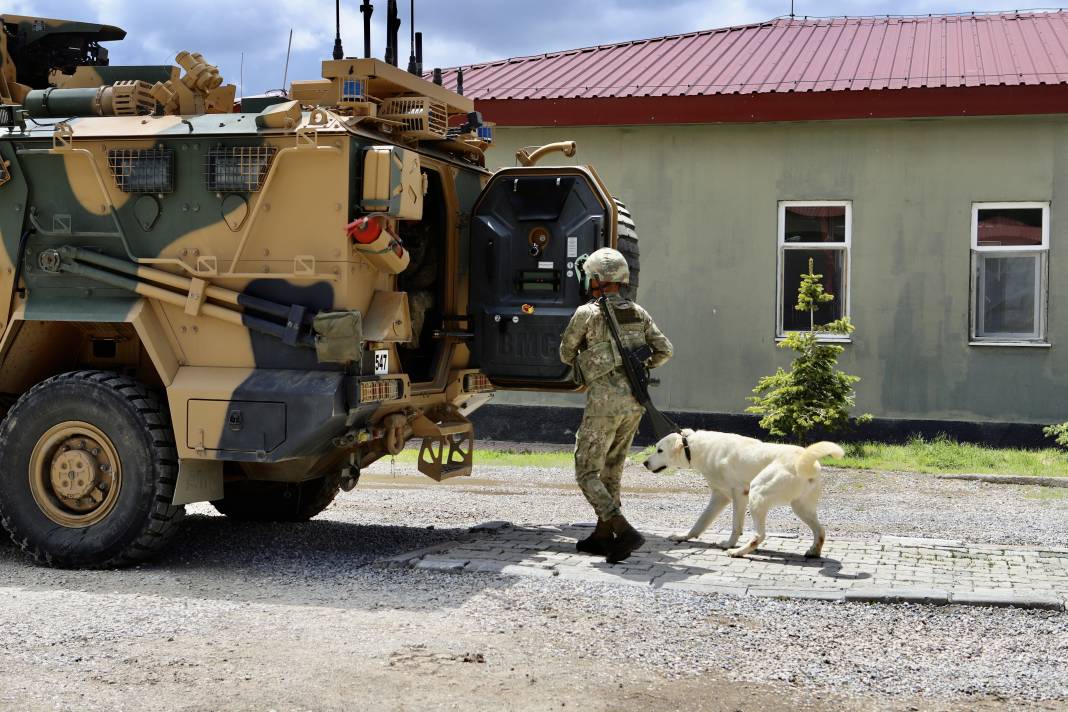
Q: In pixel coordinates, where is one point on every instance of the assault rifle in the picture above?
(637, 373)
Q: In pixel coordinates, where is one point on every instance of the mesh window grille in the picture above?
(238, 169)
(417, 117)
(143, 171)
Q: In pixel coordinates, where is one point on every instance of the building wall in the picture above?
(705, 201)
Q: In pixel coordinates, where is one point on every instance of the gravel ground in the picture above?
(856, 503)
(253, 616)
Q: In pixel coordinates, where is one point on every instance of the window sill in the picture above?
(823, 339)
(1024, 344)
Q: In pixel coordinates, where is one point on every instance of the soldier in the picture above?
(612, 414)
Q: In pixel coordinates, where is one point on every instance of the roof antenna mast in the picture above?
(367, 9)
(339, 52)
(393, 25)
(413, 65)
(289, 53)
(791, 8)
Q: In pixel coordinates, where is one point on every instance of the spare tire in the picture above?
(627, 244)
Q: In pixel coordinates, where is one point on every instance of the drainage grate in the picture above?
(238, 169)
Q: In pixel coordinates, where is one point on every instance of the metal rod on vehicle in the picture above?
(339, 51)
(165, 295)
(220, 294)
(368, 9)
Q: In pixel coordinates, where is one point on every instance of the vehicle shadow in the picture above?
(322, 562)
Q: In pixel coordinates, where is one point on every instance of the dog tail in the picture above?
(813, 453)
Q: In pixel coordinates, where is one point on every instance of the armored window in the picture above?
(1010, 248)
(143, 171)
(238, 169)
(821, 231)
(352, 90)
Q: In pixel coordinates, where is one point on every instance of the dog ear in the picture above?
(677, 447)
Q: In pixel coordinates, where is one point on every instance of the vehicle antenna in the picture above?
(289, 51)
(412, 63)
(393, 25)
(367, 9)
(241, 77)
(791, 8)
(339, 51)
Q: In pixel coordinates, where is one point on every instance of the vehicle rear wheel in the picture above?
(628, 246)
(259, 501)
(87, 472)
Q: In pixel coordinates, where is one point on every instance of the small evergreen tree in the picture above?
(1059, 433)
(813, 393)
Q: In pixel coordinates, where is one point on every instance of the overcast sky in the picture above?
(455, 31)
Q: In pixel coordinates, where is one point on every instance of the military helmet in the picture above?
(607, 265)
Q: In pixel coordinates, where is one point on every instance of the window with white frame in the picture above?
(1010, 244)
(820, 231)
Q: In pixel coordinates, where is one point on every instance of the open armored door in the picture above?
(528, 228)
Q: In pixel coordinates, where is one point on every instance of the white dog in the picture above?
(741, 470)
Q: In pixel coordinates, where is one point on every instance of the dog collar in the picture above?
(686, 449)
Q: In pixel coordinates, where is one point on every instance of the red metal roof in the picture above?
(791, 69)
(795, 55)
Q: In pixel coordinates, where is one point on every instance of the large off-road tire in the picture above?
(87, 472)
(259, 501)
(628, 245)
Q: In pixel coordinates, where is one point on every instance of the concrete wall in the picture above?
(705, 201)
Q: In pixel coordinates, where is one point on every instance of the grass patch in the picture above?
(940, 455)
(945, 456)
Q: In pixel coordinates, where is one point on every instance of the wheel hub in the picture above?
(75, 474)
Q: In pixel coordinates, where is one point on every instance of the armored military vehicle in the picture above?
(248, 302)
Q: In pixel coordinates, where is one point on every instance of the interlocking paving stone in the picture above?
(890, 570)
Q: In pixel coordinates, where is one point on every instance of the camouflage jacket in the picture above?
(587, 345)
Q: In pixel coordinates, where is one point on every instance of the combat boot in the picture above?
(600, 542)
(627, 540)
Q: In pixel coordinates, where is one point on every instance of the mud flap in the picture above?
(448, 443)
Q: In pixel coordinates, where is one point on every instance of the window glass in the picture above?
(815, 223)
(829, 263)
(1009, 227)
(1008, 290)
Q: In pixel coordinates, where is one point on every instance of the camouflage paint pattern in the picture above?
(122, 248)
(612, 414)
(283, 244)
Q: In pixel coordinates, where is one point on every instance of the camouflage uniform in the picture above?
(612, 414)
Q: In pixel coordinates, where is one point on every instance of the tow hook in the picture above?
(350, 476)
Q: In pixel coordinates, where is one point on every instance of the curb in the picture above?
(1010, 480)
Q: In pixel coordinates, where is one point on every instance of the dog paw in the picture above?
(679, 538)
(736, 553)
(810, 554)
(726, 544)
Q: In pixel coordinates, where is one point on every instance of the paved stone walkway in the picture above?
(892, 569)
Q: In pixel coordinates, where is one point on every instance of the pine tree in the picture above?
(1059, 433)
(813, 393)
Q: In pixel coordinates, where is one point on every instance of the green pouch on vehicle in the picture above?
(598, 360)
(339, 336)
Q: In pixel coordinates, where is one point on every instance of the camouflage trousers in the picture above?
(601, 447)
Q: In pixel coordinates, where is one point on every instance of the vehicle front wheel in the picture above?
(87, 472)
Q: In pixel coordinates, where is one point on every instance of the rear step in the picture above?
(448, 442)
